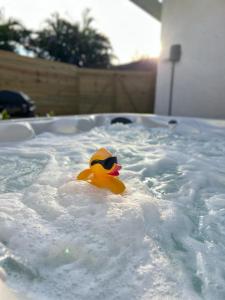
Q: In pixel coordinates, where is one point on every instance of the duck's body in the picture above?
(106, 181)
(102, 172)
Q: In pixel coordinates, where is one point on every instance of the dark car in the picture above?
(17, 104)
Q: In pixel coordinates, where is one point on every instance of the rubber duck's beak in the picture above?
(115, 170)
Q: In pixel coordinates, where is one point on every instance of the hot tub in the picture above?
(162, 239)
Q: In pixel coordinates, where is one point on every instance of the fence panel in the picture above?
(66, 90)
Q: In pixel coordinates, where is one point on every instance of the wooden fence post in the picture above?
(77, 93)
(114, 103)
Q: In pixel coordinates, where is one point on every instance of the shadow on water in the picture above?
(16, 268)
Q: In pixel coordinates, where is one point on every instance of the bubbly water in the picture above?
(163, 239)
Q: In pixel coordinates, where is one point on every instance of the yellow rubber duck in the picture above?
(102, 172)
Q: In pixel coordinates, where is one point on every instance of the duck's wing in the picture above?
(116, 186)
(85, 175)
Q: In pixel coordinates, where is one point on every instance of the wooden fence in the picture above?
(65, 89)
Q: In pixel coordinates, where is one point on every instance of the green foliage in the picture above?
(72, 43)
(50, 114)
(60, 40)
(12, 34)
(5, 115)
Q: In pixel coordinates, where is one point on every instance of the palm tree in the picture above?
(81, 45)
(12, 34)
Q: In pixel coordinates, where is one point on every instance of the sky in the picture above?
(132, 32)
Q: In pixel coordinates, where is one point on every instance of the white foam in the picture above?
(163, 239)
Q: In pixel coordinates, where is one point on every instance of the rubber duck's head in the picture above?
(103, 163)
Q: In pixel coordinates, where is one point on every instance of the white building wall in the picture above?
(199, 86)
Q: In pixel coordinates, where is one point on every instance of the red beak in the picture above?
(115, 171)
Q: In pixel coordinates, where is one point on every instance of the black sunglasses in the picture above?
(106, 163)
